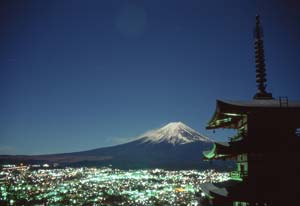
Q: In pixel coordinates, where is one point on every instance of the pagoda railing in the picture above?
(241, 135)
(237, 175)
(236, 138)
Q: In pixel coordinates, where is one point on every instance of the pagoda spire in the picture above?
(260, 63)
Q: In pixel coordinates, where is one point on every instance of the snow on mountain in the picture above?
(174, 146)
(173, 133)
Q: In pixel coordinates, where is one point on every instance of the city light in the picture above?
(102, 186)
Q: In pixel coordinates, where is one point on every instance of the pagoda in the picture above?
(265, 148)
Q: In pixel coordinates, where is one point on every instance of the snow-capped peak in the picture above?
(173, 133)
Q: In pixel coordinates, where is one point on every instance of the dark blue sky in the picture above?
(77, 75)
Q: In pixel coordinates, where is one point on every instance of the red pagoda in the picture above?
(265, 148)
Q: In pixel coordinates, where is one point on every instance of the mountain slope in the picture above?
(173, 133)
(174, 146)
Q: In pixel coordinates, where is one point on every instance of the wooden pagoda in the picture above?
(265, 148)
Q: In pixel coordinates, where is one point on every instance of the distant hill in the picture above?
(174, 146)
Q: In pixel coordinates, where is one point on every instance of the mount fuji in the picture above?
(174, 146)
(174, 133)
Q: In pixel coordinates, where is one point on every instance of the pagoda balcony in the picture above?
(237, 137)
(237, 175)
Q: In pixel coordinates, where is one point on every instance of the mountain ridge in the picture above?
(173, 133)
(174, 146)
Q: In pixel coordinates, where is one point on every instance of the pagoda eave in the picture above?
(223, 150)
(229, 113)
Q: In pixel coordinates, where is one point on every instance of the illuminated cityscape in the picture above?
(149, 103)
(27, 185)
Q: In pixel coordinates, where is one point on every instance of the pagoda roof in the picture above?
(263, 103)
(231, 189)
(224, 149)
(221, 189)
(211, 190)
(228, 112)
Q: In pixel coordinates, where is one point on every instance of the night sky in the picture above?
(77, 75)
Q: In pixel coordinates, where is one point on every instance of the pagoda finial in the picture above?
(260, 63)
